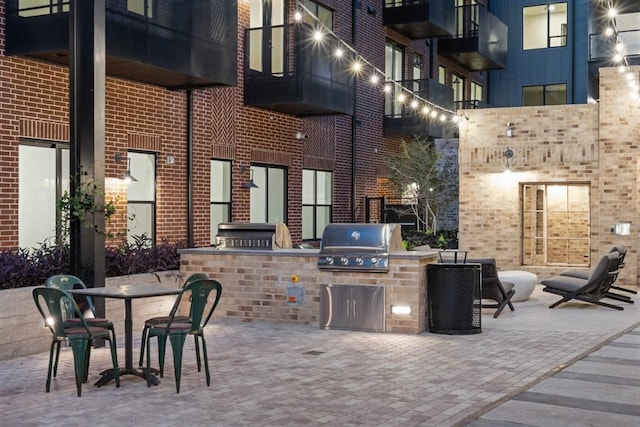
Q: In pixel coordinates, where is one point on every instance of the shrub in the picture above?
(443, 239)
(22, 267)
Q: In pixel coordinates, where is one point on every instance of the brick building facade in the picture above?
(145, 118)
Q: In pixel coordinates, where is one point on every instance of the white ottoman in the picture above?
(524, 283)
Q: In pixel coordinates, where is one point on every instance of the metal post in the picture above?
(87, 133)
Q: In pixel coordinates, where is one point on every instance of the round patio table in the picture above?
(524, 283)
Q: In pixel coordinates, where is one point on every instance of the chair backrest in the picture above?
(622, 250)
(198, 291)
(489, 269)
(67, 282)
(603, 275)
(194, 277)
(52, 304)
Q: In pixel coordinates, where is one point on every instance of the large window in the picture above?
(458, 83)
(220, 195)
(555, 224)
(141, 196)
(316, 202)
(544, 26)
(269, 200)
(325, 15)
(394, 71)
(416, 72)
(544, 95)
(141, 7)
(43, 176)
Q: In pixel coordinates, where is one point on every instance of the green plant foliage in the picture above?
(83, 206)
(443, 239)
(425, 181)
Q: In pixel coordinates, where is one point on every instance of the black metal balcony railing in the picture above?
(480, 42)
(418, 19)
(172, 43)
(286, 70)
(403, 119)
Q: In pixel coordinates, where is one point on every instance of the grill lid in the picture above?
(359, 246)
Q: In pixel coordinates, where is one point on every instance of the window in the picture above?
(141, 7)
(457, 82)
(220, 195)
(141, 197)
(394, 71)
(417, 72)
(477, 94)
(544, 95)
(325, 16)
(544, 26)
(28, 8)
(317, 189)
(269, 200)
(555, 224)
(442, 75)
(467, 18)
(43, 176)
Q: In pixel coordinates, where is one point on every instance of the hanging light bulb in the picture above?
(612, 13)
(425, 110)
(339, 52)
(617, 58)
(414, 104)
(434, 114)
(387, 88)
(401, 97)
(357, 66)
(443, 118)
(374, 79)
(608, 32)
(318, 35)
(297, 16)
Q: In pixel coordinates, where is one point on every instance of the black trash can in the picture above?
(454, 297)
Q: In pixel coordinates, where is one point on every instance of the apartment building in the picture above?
(227, 111)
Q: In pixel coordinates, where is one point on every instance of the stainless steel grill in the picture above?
(264, 236)
(359, 247)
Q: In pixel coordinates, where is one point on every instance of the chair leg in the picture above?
(51, 366)
(177, 346)
(195, 338)
(86, 362)
(148, 370)
(142, 343)
(162, 349)
(206, 360)
(79, 348)
(55, 366)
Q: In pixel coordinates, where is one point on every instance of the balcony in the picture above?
(480, 42)
(175, 44)
(420, 19)
(601, 47)
(287, 71)
(400, 119)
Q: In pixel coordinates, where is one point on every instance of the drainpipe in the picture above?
(353, 117)
(190, 242)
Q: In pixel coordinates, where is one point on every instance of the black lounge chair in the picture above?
(492, 287)
(590, 290)
(583, 273)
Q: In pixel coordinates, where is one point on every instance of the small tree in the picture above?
(426, 181)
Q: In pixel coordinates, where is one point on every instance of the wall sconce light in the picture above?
(508, 154)
(621, 228)
(300, 135)
(401, 309)
(126, 177)
(250, 183)
(510, 127)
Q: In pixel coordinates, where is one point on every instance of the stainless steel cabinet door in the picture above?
(352, 307)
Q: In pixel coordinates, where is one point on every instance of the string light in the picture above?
(429, 108)
(619, 55)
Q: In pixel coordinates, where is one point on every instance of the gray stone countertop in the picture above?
(294, 252)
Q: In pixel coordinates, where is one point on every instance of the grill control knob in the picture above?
(359, 261)
(374, 260)
(329, 260)
(344, 260)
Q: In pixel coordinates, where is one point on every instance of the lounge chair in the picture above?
(492, 287)
(590, 290)
(583, 273)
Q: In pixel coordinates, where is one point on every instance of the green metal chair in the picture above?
(177, 332)
(53, 304)
(164, 319)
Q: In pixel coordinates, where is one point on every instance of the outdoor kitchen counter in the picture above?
(257, 284)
